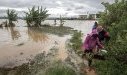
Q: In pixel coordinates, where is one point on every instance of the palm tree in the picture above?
(36, 16)
(12, 16)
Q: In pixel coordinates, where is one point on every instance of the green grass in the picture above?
(60, 69)
(76, 42)
(110, 67)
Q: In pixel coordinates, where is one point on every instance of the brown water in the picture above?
(20, 44)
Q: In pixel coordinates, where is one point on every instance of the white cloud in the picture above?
(65, 7)
(17, 9)
(59, 2)
(59, 10)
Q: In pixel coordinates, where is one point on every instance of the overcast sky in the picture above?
(55, 7)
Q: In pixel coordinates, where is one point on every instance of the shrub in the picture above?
(76, 41)
(34, 16)
(12, 16)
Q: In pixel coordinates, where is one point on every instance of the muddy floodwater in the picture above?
(20, 44)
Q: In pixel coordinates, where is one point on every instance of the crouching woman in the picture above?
(90, 44)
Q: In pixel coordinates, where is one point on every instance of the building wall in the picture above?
(83, 16)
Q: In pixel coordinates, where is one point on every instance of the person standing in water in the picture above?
(55, 22)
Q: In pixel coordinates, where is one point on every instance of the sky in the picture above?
(54, 7)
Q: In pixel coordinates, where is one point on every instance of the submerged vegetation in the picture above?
(56, 30)
(35, 16)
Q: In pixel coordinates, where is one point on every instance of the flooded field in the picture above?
(20, 44)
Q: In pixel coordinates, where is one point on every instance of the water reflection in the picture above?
(15, 34)
(36, 34)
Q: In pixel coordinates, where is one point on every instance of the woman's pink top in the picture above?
(91, 43)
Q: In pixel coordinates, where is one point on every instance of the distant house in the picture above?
(92, 16)
(89, 15)
(83, 16)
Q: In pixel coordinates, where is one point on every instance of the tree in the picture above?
(114, 12)
(34, 16)
(12, 16)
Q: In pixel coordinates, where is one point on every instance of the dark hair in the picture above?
(95, 23)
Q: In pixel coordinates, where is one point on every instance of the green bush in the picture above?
(114, 18)
(11, 16)
(35, 16)
(76, 41)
